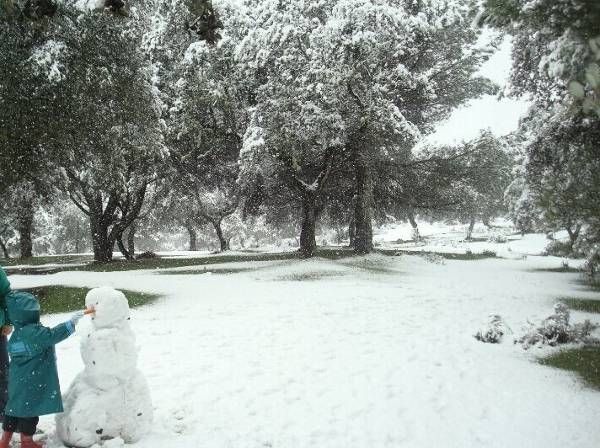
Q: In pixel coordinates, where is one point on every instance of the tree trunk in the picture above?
(223, 243)
(414, 224)
(470, 229)
(352, 231)
(126, 254)
(308, 239)
(363, 206)
(102, 244)
(4, 249)
(193, 237)
(573, 234)
(25, 228)
(131, 240)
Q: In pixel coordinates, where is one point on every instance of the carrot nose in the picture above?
(89, 311)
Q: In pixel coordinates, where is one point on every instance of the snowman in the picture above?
(109, 401)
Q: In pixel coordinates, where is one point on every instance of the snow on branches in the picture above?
(556, 329)
(492, 331)
(48, 60)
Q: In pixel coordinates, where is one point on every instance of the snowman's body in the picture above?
(110, 398)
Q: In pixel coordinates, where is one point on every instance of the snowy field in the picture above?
(365, 352)
(444, 238)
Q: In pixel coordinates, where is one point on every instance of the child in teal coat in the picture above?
(33, 386)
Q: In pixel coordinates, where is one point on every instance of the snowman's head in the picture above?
(111, 306)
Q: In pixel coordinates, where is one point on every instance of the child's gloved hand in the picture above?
(76, 317)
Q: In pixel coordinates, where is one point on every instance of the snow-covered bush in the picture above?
(588, 246)
(434, 258)
(491, 331)
(557, 329)
(489, 253)
(148, 255)
(497, 238)
(592, 263)
(558, 248)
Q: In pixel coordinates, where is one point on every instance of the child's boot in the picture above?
(27, 442)
(6, 438)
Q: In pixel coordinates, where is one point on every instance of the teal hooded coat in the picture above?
(33, 387)
(4, 290)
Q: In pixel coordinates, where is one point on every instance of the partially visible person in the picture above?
(5, 330)
(33, 388)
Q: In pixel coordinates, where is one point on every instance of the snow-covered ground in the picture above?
(363, 352)
(444, 238)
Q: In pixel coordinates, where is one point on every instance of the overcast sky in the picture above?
(501, 116)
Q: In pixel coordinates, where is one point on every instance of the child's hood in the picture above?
(23, 308)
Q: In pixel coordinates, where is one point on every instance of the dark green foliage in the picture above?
(27, 10)
(163, 263)
(553, 165)
(586, 305)
(558, 248)
(555, 61)
(556, 48)
(37, 261)
(205, 21)
(562, 269)
(63, 299)
(448, 256)
(25, 99)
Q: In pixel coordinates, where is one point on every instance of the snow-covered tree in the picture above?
(487, 165)
(179, 212)
(563, 170)
(296, 131)
(556, 60)
(363, 78)
(206, 123)
(61, 228)
(108, 146)
(521, 203)
(413, 61)
(556, 48)
(26, 95)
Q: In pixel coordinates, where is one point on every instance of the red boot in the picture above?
(6, 438)
(27, 442)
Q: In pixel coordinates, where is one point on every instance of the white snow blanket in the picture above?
(368, 352)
